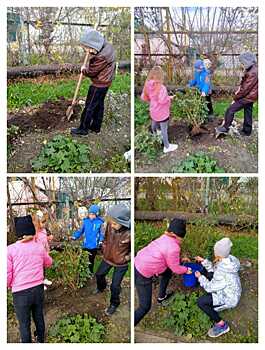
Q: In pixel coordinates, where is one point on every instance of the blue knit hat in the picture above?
(94, 209)
(198, 64)
(92, 38)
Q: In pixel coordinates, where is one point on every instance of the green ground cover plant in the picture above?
(63, 155)
(147, 143)
(77, 329)
(199, 162)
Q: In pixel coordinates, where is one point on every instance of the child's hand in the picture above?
(203, 94)
(83, 68)
(197, 274)
(199, 259)
(189, 271)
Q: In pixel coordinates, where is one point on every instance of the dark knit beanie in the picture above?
(177, 226)
(24, 226)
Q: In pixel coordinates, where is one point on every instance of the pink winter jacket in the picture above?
(41, 237)
(159, 100)
(25, 264)
(159, 255)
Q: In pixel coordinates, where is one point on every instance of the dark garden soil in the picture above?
(243, 320)
(235, 154)
(39, 125)
(60, 302)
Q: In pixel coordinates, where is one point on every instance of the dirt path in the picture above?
(39, 125)
(236, 154)
(60, 302)
(243, 319)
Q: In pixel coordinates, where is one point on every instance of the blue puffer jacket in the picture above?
(202, 81)
(92, 231)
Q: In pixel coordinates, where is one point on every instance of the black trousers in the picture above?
(93, 113)
(205, 302)
(91, 258)
(117, 278)
(235, 107)
(209, 104)
(144, 291)
(30, 302)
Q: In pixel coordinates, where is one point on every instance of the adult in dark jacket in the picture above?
(101, 70)
(245, 96)
(116, 253)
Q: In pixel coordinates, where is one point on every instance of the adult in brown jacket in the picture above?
(116, 253)
(101, 70)
(245, 96)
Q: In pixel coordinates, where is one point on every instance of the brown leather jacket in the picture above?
(248, 89)
(101, 67)
(116, 246)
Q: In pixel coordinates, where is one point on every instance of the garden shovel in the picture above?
(70, 109)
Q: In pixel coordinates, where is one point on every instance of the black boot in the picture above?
(79, 132)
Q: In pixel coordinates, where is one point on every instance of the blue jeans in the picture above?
(27, 303)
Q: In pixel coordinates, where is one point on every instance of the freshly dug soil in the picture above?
(51, 115)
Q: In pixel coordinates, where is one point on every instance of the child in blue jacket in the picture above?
(92, 230)
(202, 81)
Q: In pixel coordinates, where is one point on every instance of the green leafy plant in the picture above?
(63, 155)
(70, 267)
(185, 317)
(118, 164)
(144, 234)
(198, 163)
(77, 329)
(147, 143)
(141, 112)
(190, 107)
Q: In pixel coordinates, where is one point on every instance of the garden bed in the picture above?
(39, 116)
(235, 154)
(159, 325)
(60, 302)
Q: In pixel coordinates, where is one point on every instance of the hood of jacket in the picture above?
(229, 265)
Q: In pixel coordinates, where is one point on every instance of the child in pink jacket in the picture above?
(42, 237)
(155, 93)
(26, 260)
(160, 257)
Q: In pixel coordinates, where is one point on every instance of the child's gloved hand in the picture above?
(199, 259)
(197, 274)
(189, 271)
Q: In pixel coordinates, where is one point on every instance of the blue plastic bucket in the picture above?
(189, 280)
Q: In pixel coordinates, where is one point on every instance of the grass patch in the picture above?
(200, 239)
(220, 107)
(24, 94)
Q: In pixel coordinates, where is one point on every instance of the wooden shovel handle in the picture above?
(80, 80)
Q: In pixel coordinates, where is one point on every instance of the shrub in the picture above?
(70, 267)
(77, 329)
(185, 317)
(190, 107)
(145, 233)
(141, 112)
(147, 143)
(198, 163)
(63, 155)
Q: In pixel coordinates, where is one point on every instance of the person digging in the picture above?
(101, 70)
(116, 250)
(244, 97)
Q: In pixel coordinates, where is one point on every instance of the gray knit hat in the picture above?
(121, 214)
(223, 247)
(92, 38)
(247, 59)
